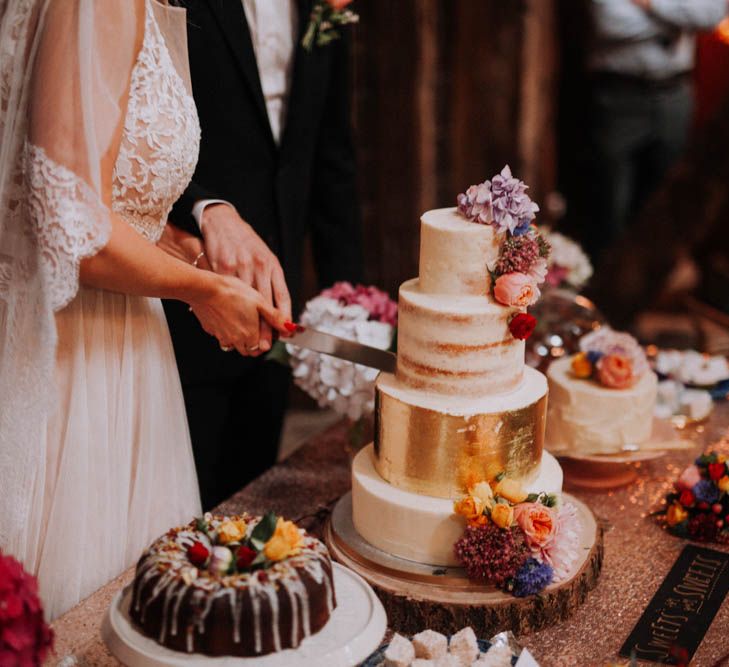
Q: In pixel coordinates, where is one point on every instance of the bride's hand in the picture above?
(232, 312)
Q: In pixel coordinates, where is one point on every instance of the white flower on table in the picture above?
(347, 388)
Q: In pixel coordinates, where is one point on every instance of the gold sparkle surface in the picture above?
(638, 555)
(442, 455)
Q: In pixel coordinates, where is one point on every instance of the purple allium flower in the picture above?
(512, 208)
(490, 554)
(532, 577)
(706, 491)
(518, 254)
(475, 204)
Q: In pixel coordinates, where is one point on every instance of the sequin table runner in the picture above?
(638, 553)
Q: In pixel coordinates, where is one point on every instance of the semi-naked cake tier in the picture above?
(454, 344)
(455, 254)
(587, 418)
(440, 445)
(413, 526)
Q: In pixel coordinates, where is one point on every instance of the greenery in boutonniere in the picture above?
(327, 16)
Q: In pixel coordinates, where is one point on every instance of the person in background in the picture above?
(640, 57)
(276, 166)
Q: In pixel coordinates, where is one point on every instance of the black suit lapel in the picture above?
(232, 20)
(300, 80)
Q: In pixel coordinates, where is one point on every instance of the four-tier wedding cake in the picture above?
(462, 407)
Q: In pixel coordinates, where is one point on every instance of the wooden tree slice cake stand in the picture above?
(417, 596)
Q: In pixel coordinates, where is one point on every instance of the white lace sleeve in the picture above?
(70, 221)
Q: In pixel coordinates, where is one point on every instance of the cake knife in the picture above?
(349, 350)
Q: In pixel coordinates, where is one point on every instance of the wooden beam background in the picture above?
(446, 92)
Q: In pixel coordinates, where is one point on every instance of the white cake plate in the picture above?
(355, 629)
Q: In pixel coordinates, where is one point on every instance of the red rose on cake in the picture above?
(522, 325)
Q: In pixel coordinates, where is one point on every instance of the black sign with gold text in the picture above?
(677, 618)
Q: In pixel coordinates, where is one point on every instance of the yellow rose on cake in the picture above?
(231, 531)
(286, 541)
(469, 507)
(502, 515)
(511, 490)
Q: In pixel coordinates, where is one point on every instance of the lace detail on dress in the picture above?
(71, 222)
(161, 139)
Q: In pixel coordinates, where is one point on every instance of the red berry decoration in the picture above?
(717, 471)
(716, 508)
(686, 498)
(522, 325)
(244, 557)
(703, 506)
(198, 554)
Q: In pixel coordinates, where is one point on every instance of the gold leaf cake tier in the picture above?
(442, 445)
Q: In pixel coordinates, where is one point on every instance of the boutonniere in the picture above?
(327, 16)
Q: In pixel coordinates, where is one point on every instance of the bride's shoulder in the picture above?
(117, 23)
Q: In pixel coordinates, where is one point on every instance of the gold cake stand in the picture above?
(417, 596)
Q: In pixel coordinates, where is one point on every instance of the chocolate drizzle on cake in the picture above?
(243, 614)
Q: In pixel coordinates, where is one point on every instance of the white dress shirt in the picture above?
(273, 25)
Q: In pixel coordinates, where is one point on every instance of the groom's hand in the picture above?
(233, 248)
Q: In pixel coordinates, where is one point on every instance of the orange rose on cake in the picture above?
(615, 371)
(516, 289)
(538, 523)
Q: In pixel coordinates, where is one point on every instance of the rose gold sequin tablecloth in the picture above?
(638, 554)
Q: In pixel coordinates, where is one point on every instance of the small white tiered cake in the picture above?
(462, 406)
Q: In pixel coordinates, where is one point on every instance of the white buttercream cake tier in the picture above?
(456, 344)
(531, 388)
(414, 526)
(585, 417)
(455, 253)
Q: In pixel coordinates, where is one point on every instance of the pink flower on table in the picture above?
(538, 523)
(689, 478)
(376, 302)
(516, 289)
(615, 371)
(557, 275)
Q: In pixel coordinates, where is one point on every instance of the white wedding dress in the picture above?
(116, 467)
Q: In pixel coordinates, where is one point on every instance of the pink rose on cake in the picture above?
(615, 371)
(516, 289)
(538, 523)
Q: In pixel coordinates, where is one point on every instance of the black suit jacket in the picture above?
(304, 186)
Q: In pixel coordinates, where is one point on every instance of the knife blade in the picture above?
(349, 350)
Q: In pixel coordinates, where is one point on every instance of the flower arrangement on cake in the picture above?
(516, 541)
(25, 638)
(522, 263)
(361, 313)
(231, 547)
(611, 358)
(698, 507)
